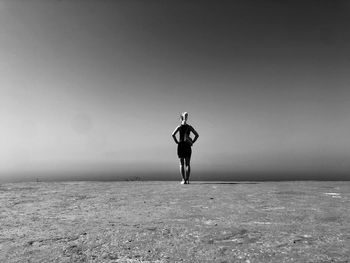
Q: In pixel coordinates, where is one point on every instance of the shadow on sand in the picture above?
(223, 183)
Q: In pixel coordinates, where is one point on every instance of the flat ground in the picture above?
(168, 222)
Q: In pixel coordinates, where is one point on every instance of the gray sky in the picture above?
(95, 88)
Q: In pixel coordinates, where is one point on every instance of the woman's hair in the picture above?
(184, 115)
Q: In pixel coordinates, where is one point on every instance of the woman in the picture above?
(184, 145)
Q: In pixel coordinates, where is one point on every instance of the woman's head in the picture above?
(184, 116)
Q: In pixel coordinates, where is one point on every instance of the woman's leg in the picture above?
(188, 169)
(182, 169)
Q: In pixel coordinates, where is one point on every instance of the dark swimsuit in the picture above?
(183, 148)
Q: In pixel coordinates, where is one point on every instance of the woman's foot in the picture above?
(183, 181)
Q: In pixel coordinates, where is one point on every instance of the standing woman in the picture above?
(184, 145)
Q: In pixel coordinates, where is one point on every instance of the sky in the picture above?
(93, 89)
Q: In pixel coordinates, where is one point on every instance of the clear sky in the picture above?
(94, 89)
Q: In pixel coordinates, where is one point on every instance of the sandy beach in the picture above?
(151, 221)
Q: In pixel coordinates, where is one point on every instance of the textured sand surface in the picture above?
(168, 222)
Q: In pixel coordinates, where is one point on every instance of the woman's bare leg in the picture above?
(182, 170)
(188, 169)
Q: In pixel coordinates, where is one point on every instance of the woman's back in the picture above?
(184, 129)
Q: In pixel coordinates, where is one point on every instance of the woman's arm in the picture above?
(196, 135)
(174, 134)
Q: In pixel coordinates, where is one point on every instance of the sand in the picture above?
(168, 222)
